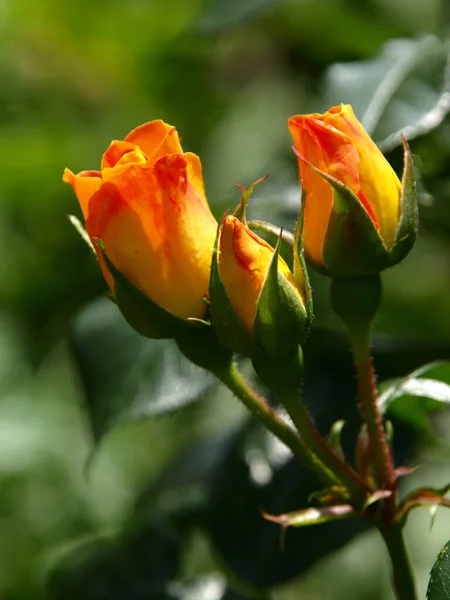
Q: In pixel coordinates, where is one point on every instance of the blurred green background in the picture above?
(228, 74)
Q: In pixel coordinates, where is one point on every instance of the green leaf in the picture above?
(439, 584)
(405, 89)
(411, 398)
(128, 377)
(428, 496)
(312, 515)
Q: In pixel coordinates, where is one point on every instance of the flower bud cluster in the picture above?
(172, 268)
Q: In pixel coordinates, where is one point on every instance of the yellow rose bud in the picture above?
(244, 259)
(335, 144)
(147, 205)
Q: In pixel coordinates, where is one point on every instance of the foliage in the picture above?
(439, 586)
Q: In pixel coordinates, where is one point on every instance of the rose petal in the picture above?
(85, 184)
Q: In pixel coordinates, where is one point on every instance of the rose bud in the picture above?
(359, 218)
(148, 218)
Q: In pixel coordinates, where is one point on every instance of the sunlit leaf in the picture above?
(127, 377)
(405, 89)
(312, 515)
(412, 398)
(432, 497)
(439, 585)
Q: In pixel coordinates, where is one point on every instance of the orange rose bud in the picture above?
(259, 306)
(359, 218)
(244, 259)
(148, 208)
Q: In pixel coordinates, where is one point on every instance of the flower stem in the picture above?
(403, 576)
(379, 448)
(283, 375)
(356, 301)
(259, 407)
(314, 440)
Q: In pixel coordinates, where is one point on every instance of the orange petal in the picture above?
(342, 158)
(85, 184)
(163, 236)
(114, 222)
(171, 172)
(116, 150)
(243, 264)
(155, 139)
(195, 176)
(338, 152)
(319, 194)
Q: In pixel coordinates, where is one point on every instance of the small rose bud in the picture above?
(258, 304)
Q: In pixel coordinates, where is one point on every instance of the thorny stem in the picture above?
(259, 407)
(314, 440)
(379, 448)
(402, 574)
(284, 375)
(356, 300)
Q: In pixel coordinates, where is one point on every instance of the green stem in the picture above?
(283, 375)
(258, 406)
(315, 441)
(356, 301)
(403, 576)
(379, 448)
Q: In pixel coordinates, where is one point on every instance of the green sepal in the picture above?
(334, 438)
(299, 266)
(77, 224)
(281, 320)
(352, 247)
(143, 314)
(282, 374)
(408, 226)
(202, 347)
(241, 211)
(226, 323)
(271, 233)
